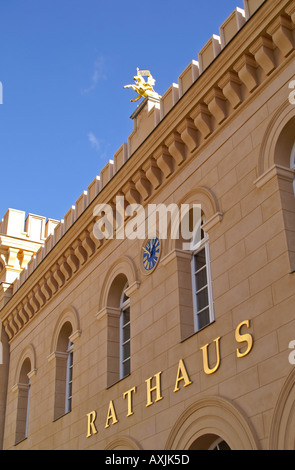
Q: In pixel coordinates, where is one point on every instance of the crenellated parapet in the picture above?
(187, 116)
(20, 239)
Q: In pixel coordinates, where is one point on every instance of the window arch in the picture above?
(123, 443)
(203, 305)
(208, 419)
(118, 330)
(24, 372)
(124, 269)
(23, 388)
(282, 432)
(284, 158)
(115, 317)
(63, 371)
(276, 162)
(66, 331)
(278, 140)
(206, 199)
(196, 306)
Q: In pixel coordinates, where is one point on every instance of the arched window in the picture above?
(196, 306)
(201, 279)
(23, 402)
(116, 314)
(63, 372)
(69, 377)
(124, 334)
(28, 409)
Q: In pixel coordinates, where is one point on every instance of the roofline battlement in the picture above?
(33, 228)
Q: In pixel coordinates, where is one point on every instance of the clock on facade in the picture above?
(150, 255)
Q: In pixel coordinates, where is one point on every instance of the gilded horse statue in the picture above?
(143, 88)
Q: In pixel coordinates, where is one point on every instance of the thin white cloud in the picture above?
(94, 141)
(98, 74)
(98, 145)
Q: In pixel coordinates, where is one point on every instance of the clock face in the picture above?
(150, 254)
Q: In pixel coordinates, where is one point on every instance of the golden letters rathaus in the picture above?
(159, 313)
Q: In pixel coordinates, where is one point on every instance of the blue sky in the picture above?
(63, 65)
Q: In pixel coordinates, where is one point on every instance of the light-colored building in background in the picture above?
(114, 344)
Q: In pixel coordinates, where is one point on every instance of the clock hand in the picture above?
(144, 249)
(153, 244)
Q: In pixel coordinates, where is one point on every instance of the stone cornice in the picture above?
(275, 171)
(260, 48)
(20, 243)
(174, 254)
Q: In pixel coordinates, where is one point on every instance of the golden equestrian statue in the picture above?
(143, 88)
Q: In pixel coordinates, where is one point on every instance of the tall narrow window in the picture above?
(23, 402)
(28, 409)
(63, 372)
(201, 283)
(69, 378)
(124, 335)
(118, 330)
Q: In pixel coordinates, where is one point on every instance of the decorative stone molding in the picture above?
(281, 175)
(123, 443)
(281, 31)
(57, 355)
(124, 266)
(246, 67)
(229, 423)
(28, 353)
(69, 315)
(175, 253)
(153, 173)
(132, 288)
(108, 311)
(176, 148)
(231, 88)
(143, 185)
(283, 420)
(263, 51)
(216, 102)
(282, 119)
(276, 170)
(164, 161)
(75, 335)
(189, 134)
(215, 219)
(19, 387)
(290, 10)
(202, 119)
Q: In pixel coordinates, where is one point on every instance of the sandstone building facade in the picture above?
(118, 344)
